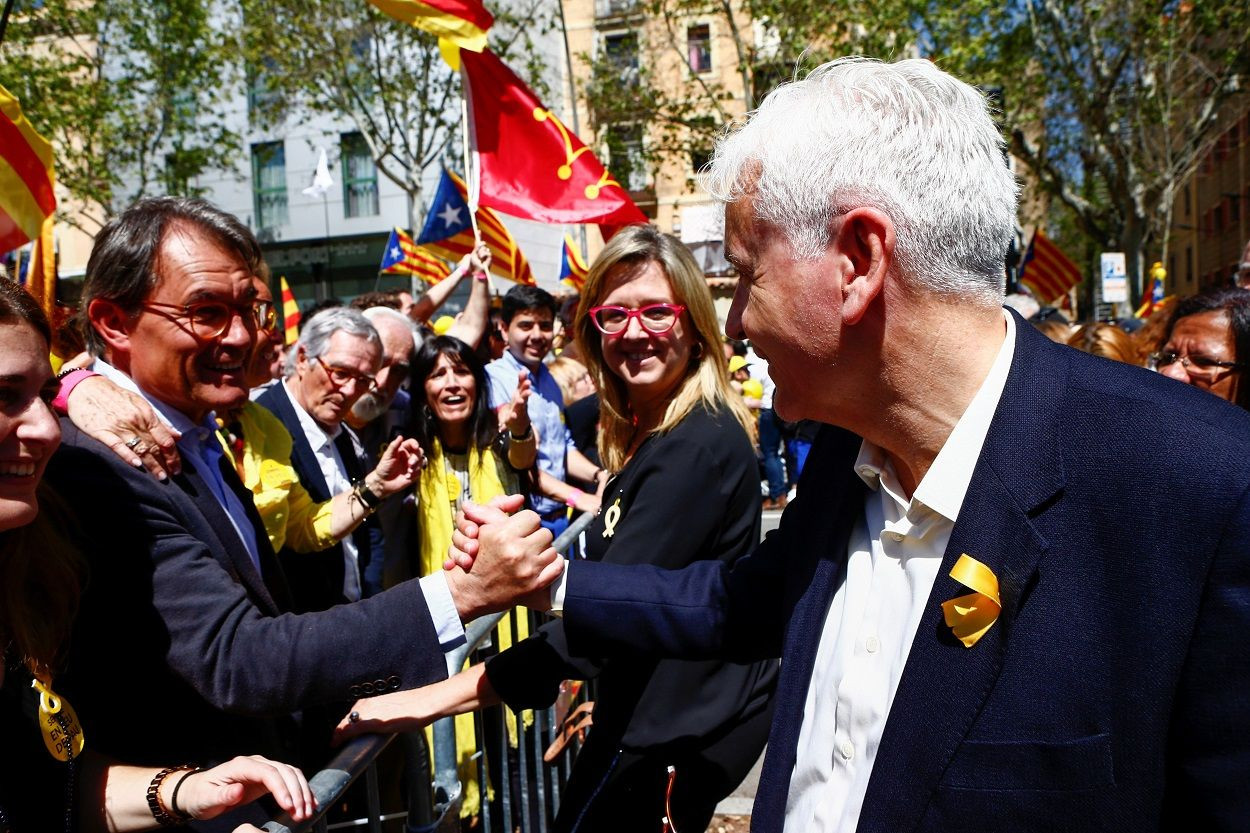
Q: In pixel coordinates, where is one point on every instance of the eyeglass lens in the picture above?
(657, 318)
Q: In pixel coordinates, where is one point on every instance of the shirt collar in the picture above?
(946, 483)
(317, 436)
(167, 414)
(517, 364)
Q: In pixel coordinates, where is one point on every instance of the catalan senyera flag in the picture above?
(404, 257)
(448, 231)
(290, 314)
(459, 24)
(1153, 298)
(529, 164)
(573, 268)
(1046, 270)
(27, 198)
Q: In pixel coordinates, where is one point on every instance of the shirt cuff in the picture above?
(443, 611)
(558, 590)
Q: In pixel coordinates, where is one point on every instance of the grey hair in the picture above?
(905, 138)
(374, 313)
(315, 336)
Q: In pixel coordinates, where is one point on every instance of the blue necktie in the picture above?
(207, 451)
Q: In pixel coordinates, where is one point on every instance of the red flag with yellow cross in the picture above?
(529, 164)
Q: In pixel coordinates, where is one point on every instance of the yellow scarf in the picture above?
(437, 491)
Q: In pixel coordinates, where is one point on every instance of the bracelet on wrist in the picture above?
(573, 497)
(368, 498)
(173, 797)
(524, 436)
(164, 817)
(68, 380)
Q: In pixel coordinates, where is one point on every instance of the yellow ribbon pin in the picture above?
(610, 519)
(970, 616)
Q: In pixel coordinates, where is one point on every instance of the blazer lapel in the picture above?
(236, 556)
(944, 685)
(829, 515)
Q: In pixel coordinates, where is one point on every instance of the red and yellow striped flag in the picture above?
(507, 259)
(459, 24)
(573, 269)
(1046, 270)
(27, 200)
(404, 257)
(290, 314)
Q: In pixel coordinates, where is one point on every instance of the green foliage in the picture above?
(347, 60)
(131, 93)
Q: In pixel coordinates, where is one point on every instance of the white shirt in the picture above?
(893, 557)
(330, 462)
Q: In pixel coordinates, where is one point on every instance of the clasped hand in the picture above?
(499, 557)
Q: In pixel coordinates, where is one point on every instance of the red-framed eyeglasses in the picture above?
(656, 319)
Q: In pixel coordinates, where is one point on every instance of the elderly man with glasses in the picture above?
(333, 365)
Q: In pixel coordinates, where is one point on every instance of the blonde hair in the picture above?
(566, 370)
(707, 380)
(1106, 340)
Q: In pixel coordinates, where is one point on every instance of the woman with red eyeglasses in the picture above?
(686, 488)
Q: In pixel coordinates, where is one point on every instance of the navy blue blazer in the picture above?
(1113, 692)
(317, 578)
(182, 649)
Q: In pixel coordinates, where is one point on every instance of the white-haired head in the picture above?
(317, 331)
(905, 138)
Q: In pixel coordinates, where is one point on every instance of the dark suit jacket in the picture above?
(316, 578)
(182, 650)
(1113, 693)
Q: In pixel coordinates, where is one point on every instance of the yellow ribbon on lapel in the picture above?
(972, 615)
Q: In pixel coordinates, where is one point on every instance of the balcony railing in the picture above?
(617, 8)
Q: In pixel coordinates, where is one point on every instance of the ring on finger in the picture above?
(133, 444)
(354, 717)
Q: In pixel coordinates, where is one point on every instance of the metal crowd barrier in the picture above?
(528, 809)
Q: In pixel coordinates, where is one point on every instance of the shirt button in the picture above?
(871, 644)
(846, 749)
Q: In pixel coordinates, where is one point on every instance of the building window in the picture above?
(360, 177)
(1189, 265)
(621, 51)
(269, 184)
(628, 166)
(699, 48)
(702, 137)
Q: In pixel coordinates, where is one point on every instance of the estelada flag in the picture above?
(1046, 270)
(1153, 299)
(404, 257)
(448, 231)
(459, 24)
(573, 269)
(290, 314)
(27, 199)
(529, 164)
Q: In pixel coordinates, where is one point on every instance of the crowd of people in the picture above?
(231, 552)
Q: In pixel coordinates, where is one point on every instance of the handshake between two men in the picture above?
(500, 557)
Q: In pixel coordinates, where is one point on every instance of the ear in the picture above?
(865, 237)
(111, 322)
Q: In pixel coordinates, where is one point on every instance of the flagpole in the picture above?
(568, 67)
(470, 173)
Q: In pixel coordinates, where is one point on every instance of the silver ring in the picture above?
(133, 443)
(354, 717)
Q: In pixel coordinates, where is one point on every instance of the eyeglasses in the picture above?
(211, 319)
(341, 377)
(656, 319)
(1200, 367)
